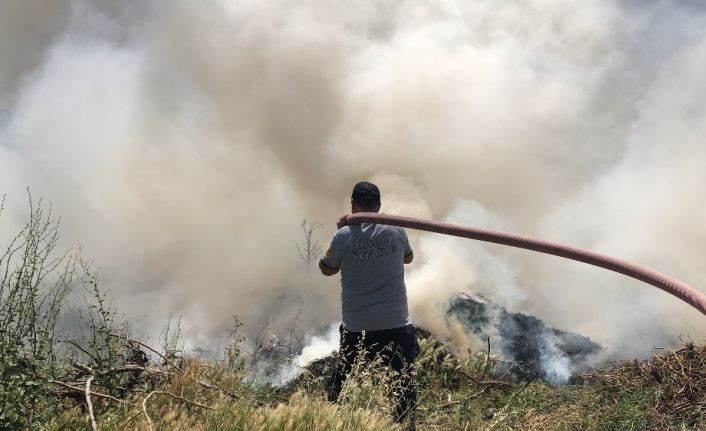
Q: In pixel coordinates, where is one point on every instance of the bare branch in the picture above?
(80, 390)
(130, 340)
(179, 397)
(144, 409)
(215, 388)
(84, 368)
(310, 249)
(94, 425)
(76, 345)
(130, 419)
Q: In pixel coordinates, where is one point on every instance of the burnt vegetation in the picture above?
(530, 348)
(80, 367)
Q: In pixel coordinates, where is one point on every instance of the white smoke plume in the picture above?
(183, 142)
(555, 364)
(316, 347)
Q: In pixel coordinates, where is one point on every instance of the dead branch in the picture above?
(130, 340)
(487, 360)
(118, 370)
(94, 425)
(215, 388)
(86, 352)
(81, 390)
(84, 368)
(144, 409)
(501, 413)
(178, 397)
(153, 371)
(493, 383)
(130, 419)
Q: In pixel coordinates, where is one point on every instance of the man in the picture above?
(376, 319)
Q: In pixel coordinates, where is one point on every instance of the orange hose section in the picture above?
(670, 285)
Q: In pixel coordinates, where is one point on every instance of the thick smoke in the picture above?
(183, 142)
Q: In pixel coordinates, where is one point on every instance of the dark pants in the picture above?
(397, 348)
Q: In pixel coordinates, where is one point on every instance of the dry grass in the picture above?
(665, 392)
(678, 377)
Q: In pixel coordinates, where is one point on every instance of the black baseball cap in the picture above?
(366, 192)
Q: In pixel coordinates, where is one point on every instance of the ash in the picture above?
(527, 347)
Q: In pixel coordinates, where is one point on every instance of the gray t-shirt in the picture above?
(373, 294)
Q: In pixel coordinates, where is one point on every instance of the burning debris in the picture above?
(525, 347)
(528, 348)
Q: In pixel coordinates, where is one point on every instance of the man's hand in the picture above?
(325, 270)
(342, 221)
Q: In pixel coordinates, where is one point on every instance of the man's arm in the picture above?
(408, 258)
(330, 263)
(325, 270)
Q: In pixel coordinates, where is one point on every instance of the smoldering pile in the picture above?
(523, 347)
(527, 348)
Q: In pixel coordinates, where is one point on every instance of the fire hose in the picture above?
(670, 285)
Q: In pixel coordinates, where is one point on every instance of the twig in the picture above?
(135, 390)
(479, 393)
(131, 368)
(90, 355)
(79, 390)
(130, 419)
(130, 340)
(205, 385)
(491, 382)
(144, 409)
(84, 368)
(487, 359)
(157, 372)
(178, 397)
(94, 425)
(470, 397)
(512, 397)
